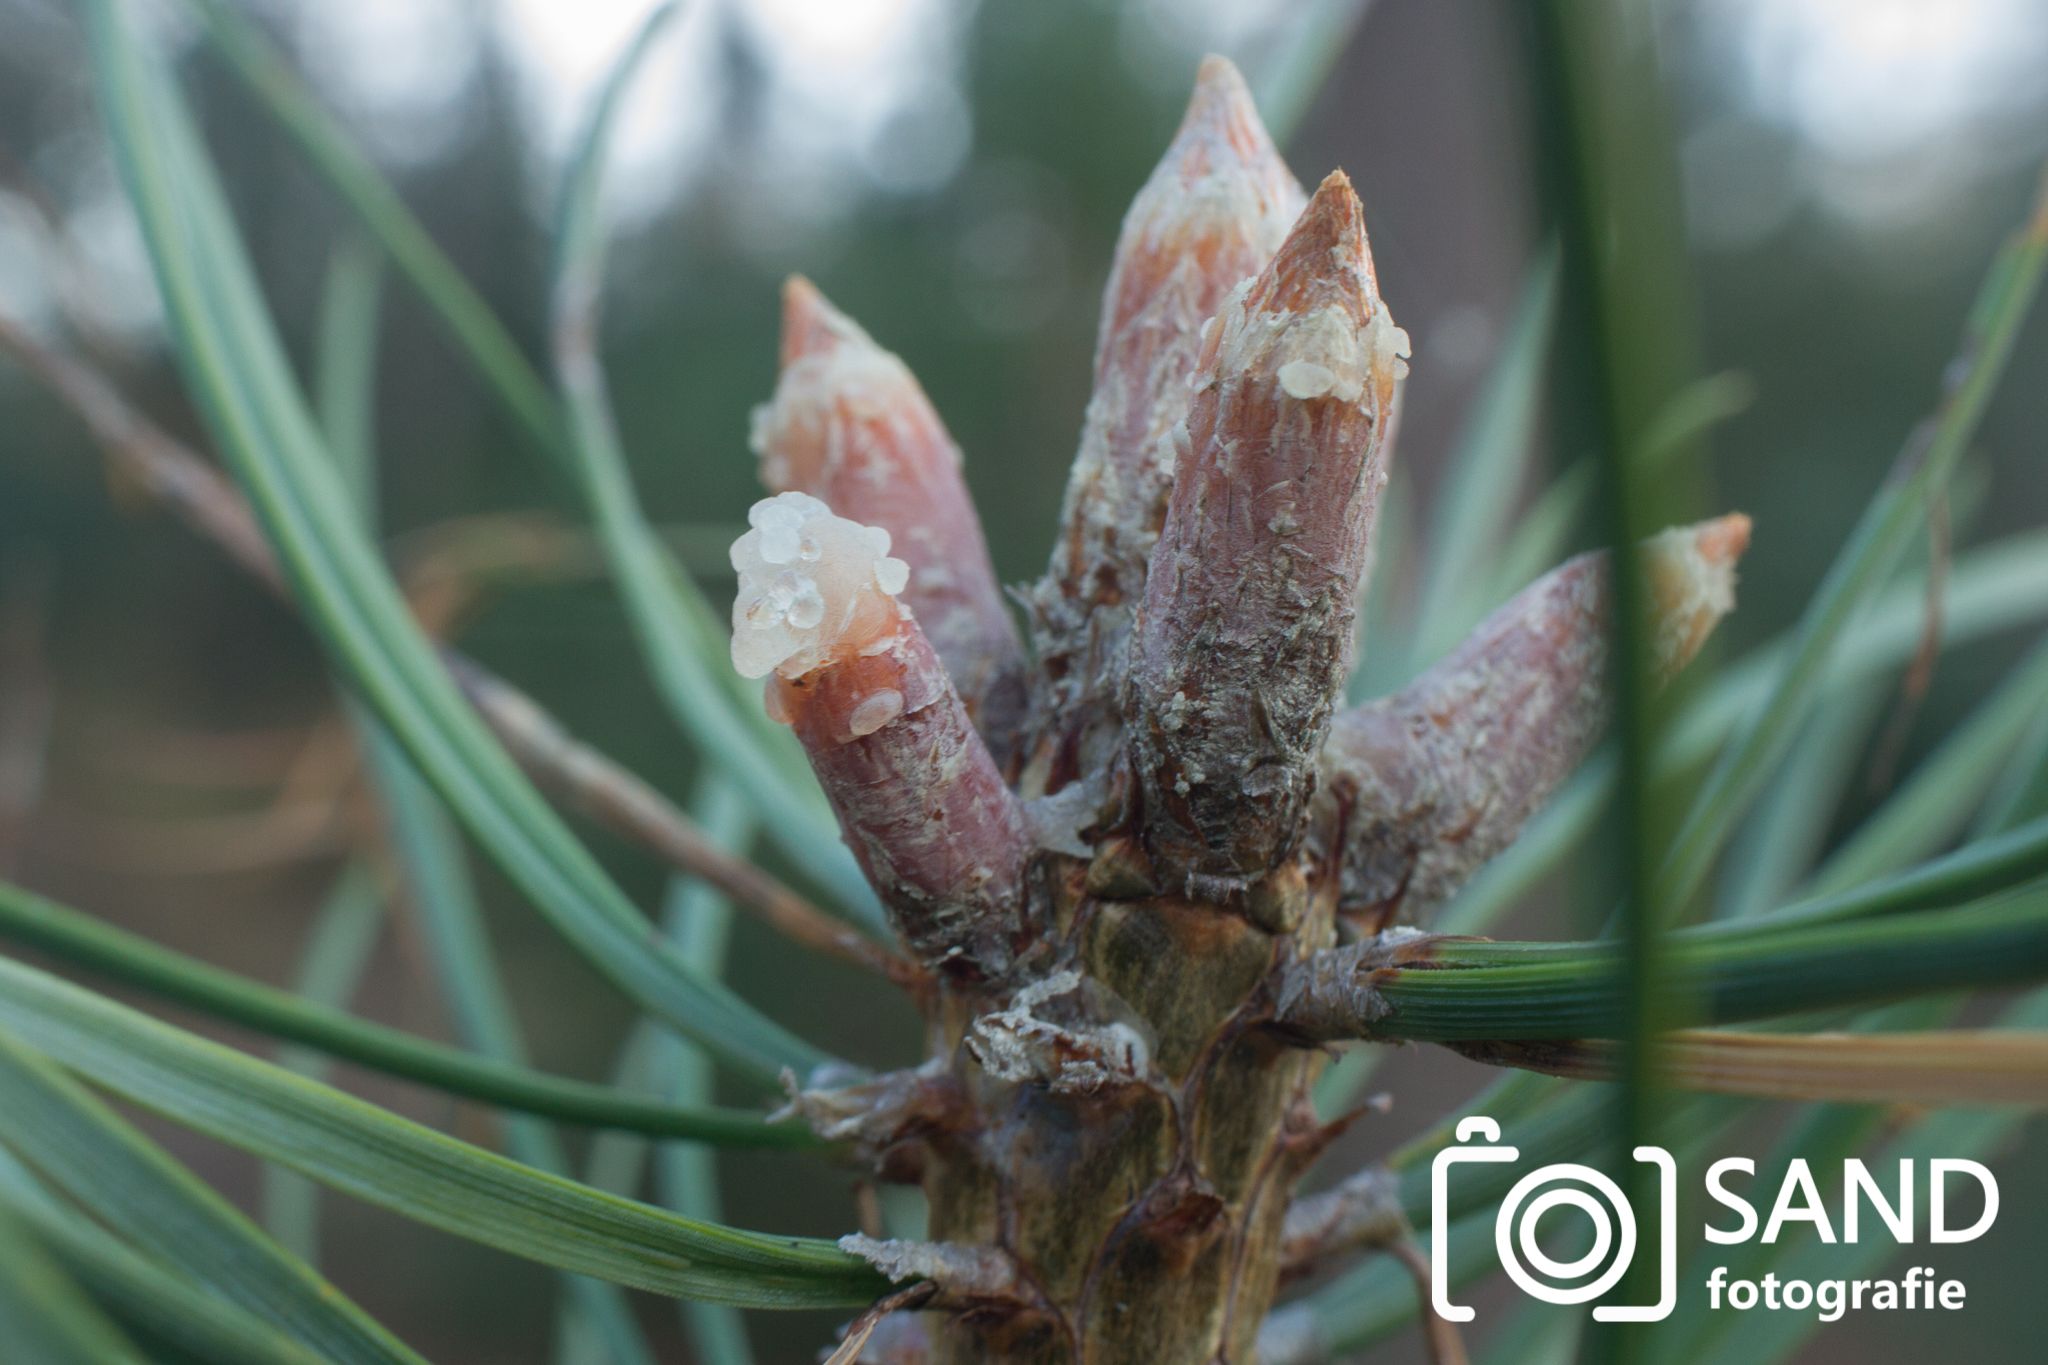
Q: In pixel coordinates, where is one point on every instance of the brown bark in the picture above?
(1142, 1196)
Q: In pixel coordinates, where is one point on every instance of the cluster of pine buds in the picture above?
(1177, 724)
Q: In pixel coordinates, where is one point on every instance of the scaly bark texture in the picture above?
(1210, 217)
(1135, 950)
(918, 796)
(1245, 637)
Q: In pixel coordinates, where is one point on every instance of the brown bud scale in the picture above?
(1136, 948)
(919, 799)
(1244, 640)
(1210, 217)
(1430, 783)
(850, 425)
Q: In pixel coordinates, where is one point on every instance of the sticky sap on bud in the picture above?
(874, 711)
(920, 800)
(1391, 350)
(850, 425)
(812, 585)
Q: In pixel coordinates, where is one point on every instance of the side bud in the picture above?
(919, 798)
(1244, 640)
(850, 425)
(1427, 785)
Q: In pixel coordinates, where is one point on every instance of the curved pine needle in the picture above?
(679, 637)
(132, 1185)
(413, 1171)
(1887, 527)
(444, 902)
(1476, 501)
(43, 1317)
(455, 303)
(137, 1288)
(670, 616)
(338, 948)
(1936, 799)
(235, 366)
(657, 1062)
(102, 948)
(1979, 869)
(345, 931)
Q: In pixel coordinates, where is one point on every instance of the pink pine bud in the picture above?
(919, 798)
(850, 425)
(1212, 214)
(1244, 639)
(1432, 782)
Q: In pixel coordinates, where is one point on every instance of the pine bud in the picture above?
(1432, 782)
(1244, 639)
(1211, 215)
(850, 425)
(919, 798)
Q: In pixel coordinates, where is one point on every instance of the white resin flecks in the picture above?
(811, 583)
(874, 711)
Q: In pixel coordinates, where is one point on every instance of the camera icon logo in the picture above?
(1538, 1274)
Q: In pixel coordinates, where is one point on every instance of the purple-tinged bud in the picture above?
(1427, 785)
(1209, 218)
(1244, 640)
(850, 425)
(919, 798)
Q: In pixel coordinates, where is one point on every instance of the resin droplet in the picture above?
(811, 584)
(1306, 379)
(875, 711)
(920, 800)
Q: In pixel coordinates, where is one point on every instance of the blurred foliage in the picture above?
(987, 284)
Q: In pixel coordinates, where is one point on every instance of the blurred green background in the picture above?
(953, 175)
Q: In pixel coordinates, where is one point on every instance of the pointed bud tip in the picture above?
(1723, 540)
(1334, 218)
(810, 324)
(1691, 572)
(1222, 130)
(1220, 100)
(1325, 249)
(1218, 71)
